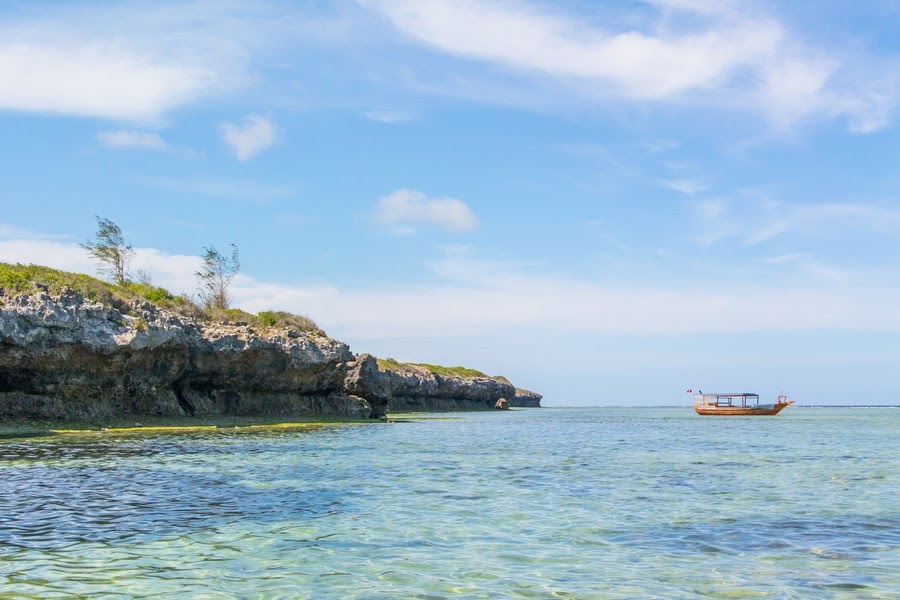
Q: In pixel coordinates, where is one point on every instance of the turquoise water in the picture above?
(541, 503)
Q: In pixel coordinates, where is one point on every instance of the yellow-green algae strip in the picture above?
(12, 431)
(136, 429)
(194, 428)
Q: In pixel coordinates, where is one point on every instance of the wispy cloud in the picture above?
(257, 133)
(138, 61)
(407, 209)
(132, 139)
(689, 187)
(728, 54)
(753, 221)
(95, 81)
(806, 262)
(524, 36)
(493, 297)
(132, 62)
(475, 295)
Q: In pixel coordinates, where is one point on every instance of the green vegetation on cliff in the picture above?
(390, 364)
(28, 279)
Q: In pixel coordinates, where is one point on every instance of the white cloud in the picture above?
(637, 64)
(479, 297)
(132, 139)
(95, 80)
(794, 87)
(132, 62)
(137, 61)
(407, 208)
(174, 272)
(546, 303)
(255, 135)
(871, 111)
(726, 54)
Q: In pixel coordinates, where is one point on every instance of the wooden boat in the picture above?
(737, 405)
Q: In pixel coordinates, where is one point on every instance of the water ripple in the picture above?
(528, 504)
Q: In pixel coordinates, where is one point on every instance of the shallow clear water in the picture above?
(543, 503)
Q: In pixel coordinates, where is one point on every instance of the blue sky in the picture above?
(607, 202)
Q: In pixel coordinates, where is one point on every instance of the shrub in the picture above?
(271, 318)
(267, 318)
(389, 364)
(298, 322)
(152, 293)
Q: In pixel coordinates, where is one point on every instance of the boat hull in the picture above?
(742, 411)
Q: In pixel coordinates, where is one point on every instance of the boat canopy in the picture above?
(729, 399)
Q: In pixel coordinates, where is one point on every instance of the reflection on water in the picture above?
(614, 503)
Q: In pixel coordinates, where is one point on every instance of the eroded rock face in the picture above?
(525, 399)
(66, 357)
(416, 388)
(69, 358)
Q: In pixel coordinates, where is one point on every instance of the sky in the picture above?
(607, 202)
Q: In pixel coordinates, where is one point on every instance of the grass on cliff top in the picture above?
(390, 364)
(28, 279)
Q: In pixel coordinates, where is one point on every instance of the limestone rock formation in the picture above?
(408, 387)
(69, 358)
(525, 399)
(66, 357)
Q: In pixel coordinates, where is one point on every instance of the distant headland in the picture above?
(73, 347)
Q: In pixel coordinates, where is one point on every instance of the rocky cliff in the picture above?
(525, 399)
(63, 356)
(67, 357)
(408, 387)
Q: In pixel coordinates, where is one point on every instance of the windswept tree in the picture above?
(215, 276)
(110, 251)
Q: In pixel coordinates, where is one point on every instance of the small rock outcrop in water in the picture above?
(525, 399)
(66, 357)
(502, 404)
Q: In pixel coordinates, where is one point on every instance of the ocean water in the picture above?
(539, 503)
